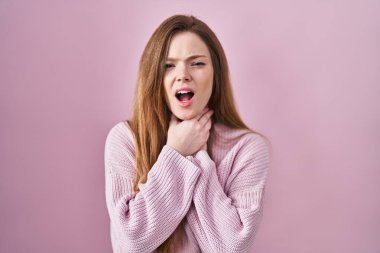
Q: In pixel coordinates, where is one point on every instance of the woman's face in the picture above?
(188, 76)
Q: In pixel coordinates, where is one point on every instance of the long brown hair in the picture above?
(151, 115)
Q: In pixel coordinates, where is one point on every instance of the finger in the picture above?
(205, 110)
(207, 136)
(205, 118)
(200, 116)
(209, 124)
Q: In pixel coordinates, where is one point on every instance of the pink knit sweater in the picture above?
(220, 199)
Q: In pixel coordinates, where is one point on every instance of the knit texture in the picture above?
(219, 199)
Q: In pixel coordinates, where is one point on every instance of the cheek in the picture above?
(167, 86)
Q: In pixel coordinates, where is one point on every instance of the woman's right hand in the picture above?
(188, 136)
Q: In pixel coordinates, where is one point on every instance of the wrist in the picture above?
(175, 148)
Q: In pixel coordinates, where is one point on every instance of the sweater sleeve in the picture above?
(143, 220)
(228, 222)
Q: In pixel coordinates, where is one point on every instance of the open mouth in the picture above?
(184, 95)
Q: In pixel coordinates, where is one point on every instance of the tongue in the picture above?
(185, 97)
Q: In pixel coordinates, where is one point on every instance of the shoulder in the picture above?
(119, 153)
(243, 142)
(256, 142)
(119, 141)
(120, 134)
(240, 136)
(246, 155)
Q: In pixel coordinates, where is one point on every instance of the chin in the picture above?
(185, 115)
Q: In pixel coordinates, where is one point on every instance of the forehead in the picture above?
(184, 44)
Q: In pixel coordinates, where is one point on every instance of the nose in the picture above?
(183, 73)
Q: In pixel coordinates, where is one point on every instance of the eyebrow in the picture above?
(188, 58)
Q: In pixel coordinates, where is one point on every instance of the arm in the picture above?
(227, 222)
(141, 221)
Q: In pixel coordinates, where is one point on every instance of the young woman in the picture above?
(185, 174)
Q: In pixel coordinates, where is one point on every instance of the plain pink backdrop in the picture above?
(304, 73)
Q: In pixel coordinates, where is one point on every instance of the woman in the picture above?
(185, 174)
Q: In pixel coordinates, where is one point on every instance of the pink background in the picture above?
(305, 73)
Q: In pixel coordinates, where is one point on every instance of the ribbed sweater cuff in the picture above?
(172, 162)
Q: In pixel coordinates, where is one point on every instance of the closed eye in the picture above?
(167, 65)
